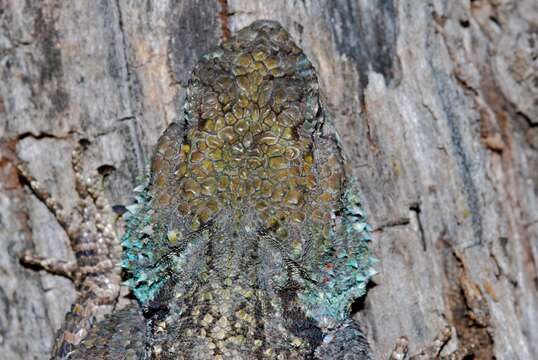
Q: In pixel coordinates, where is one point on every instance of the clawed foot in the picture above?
(88, 226)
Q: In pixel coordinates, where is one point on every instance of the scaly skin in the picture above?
(248, 240)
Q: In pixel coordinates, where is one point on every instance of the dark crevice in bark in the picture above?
(527, 119)
(466, 307)
(43, 135)
(416, 209)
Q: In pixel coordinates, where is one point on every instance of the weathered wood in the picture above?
(437, 103)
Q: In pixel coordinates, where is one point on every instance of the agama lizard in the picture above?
(248, 240)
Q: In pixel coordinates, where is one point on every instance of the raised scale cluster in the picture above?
(252, 178)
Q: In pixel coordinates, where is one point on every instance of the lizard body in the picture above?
(248, 240)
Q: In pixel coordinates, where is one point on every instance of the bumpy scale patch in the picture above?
(255, 168)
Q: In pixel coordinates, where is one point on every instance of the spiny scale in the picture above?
(249, 240)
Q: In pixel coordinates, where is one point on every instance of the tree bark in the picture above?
(436, 102)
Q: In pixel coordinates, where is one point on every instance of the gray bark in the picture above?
(436, 101)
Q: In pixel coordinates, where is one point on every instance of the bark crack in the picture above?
(415, 208)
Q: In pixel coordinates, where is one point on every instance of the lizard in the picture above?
(248, 239)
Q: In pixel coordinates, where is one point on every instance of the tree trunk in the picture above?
(436, 102)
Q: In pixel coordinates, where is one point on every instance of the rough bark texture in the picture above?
(437, 102)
